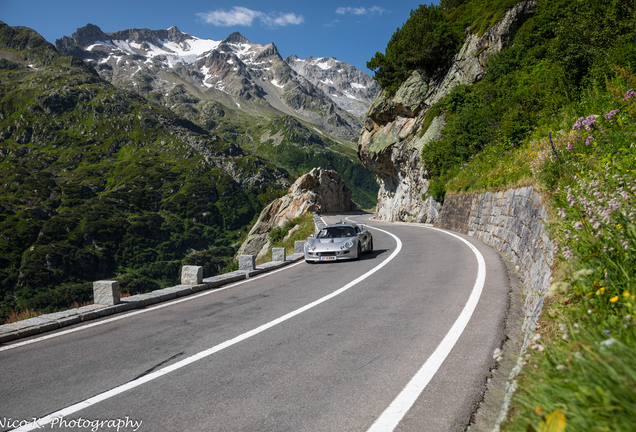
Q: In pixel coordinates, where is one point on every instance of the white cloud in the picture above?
(360, 10)
(238, 16)
(281, 19)
(245, 17)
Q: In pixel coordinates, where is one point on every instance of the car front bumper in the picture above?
(330, 255)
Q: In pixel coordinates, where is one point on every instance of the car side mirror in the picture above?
(311, 235)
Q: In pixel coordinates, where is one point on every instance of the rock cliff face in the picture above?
(318, 186)
(392, 139)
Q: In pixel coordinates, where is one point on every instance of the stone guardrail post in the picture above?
(279, 254)
(247, 262)
(299, 246)
(191, 275)
(106, 292)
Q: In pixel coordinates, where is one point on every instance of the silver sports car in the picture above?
(338, 242)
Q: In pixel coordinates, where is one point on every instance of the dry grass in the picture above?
(21, 316)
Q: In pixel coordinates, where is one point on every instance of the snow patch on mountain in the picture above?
(277, 85)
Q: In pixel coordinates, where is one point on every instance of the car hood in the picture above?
(333, 240)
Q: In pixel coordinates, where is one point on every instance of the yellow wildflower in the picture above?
(614, 299)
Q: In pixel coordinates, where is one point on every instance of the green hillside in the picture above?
(556, 109)
(98, 182)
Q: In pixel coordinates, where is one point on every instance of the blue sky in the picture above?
(351, 31)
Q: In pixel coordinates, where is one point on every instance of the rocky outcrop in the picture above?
(318, 186)
(392, 139)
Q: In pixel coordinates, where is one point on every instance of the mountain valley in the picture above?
(245, 93)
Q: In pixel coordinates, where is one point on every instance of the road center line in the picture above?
(203, 354)
(392, 416)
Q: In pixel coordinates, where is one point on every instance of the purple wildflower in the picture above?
(611, 114)
(589, 140)
(629, 95)
(588, 123)
(569, 147)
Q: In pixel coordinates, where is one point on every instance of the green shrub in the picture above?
(277, 234)
(436, 189)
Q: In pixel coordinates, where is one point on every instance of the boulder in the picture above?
(318, 186)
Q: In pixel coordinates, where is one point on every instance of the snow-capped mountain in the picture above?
(159, 60)
(352, 89)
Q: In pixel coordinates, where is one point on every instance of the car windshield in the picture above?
(336, 232)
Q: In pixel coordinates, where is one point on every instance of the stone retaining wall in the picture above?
(512, 222)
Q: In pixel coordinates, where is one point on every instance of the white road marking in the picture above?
(203, 354)
(145, 310)
(392, 416)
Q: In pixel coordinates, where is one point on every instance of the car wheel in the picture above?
(359, 251)
(309, 262)
(370, 248)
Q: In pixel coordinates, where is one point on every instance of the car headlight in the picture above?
(310, 246)
(349, 244)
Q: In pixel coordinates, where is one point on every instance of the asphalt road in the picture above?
(273, 354)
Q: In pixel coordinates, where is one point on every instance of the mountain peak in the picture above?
(236, 37)
(82, 37)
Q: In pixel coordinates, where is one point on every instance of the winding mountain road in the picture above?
(325, 347)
